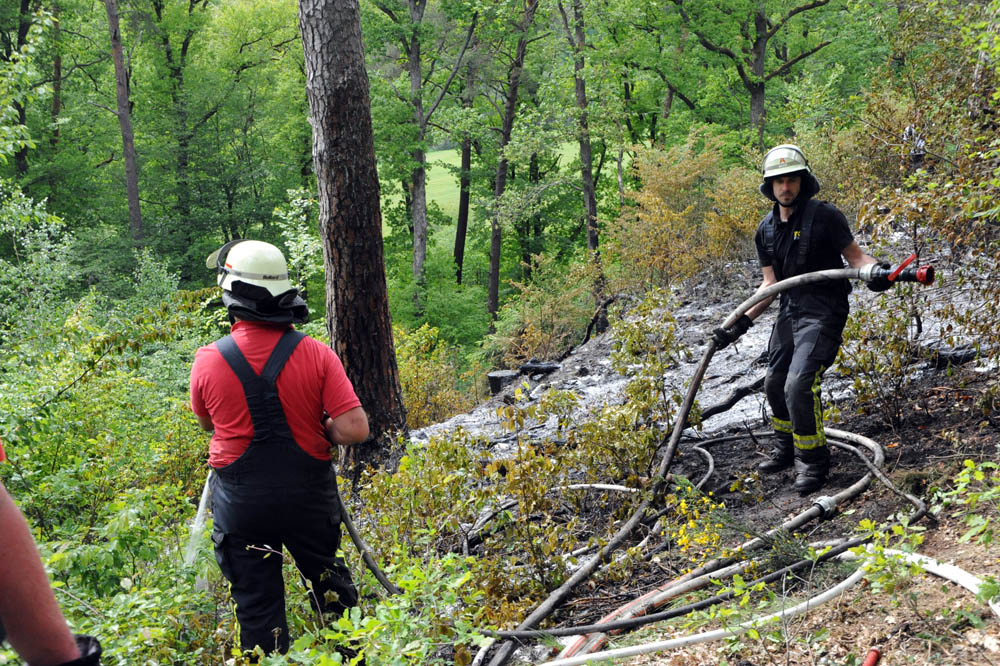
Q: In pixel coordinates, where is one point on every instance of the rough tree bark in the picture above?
(124, 113)
(350, 220)
(462, 226)
(577, 37)
(465, 176)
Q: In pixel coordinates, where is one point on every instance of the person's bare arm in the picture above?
(205, 422)
(35, 626)
(856, 257)
(351, 427)
(769, 279)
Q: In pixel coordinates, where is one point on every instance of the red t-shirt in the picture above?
(312, 381)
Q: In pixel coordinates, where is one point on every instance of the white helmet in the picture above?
(252, 262)
(784, 159)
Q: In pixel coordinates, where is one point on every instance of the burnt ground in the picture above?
(946, 419)
(948, 415)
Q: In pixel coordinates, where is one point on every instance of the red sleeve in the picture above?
(3, 456)
(197, 373)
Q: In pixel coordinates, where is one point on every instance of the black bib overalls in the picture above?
(275, 495)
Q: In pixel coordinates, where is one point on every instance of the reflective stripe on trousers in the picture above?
(801, 348)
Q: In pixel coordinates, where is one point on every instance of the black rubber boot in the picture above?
(812, 468)
(780, 458)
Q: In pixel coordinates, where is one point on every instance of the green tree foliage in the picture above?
(690, 214)
(105, 459)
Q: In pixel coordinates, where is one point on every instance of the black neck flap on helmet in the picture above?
(809, 187)
(252, 303)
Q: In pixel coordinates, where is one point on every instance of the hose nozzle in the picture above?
(902, 273)
(921, 274)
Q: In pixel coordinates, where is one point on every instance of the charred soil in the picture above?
(947, 418)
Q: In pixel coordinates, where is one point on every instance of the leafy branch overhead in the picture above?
(463, 187)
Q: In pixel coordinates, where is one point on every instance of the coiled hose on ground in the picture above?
(560, 594)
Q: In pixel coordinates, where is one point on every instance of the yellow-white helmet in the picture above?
(787, 159)
(252, 262)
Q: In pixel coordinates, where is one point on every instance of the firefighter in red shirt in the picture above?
(274, 399)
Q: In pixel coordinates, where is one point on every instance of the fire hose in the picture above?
(903, 273)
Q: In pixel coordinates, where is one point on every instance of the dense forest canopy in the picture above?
(535, 159)
(215, 95)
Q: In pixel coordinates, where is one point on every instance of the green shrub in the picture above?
(548, 317)
(661, 239)
(434, 386)
(881, 346)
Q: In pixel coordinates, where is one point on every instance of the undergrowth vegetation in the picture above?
(107, 463)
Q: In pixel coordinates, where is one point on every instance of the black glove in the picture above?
(882, 282)
(725, 336)
(90, 652)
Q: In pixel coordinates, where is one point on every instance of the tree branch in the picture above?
(715, 48)
(787, 65)
(792, 12)
(388, 12)
(454, 70)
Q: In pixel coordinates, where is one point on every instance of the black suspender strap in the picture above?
(767, 232)
(768, 235)
(279, 356)
(281, 353)
(234, 357)
(808, 213)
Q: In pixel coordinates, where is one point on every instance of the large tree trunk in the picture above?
(175, 65)
(755, 83)
(418, 177)
(462, 227)
(350, 219)
(124, 113)
(500, 179)
(23, 25)
(465, 176)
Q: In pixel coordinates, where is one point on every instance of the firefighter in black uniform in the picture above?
(800, 235)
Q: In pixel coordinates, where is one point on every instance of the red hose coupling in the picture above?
(923, 274)
(872, 658)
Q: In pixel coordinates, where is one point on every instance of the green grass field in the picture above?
(442, 184)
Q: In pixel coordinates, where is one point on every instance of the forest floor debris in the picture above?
(947, 418)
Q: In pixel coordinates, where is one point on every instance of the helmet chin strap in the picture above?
(288, 308)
